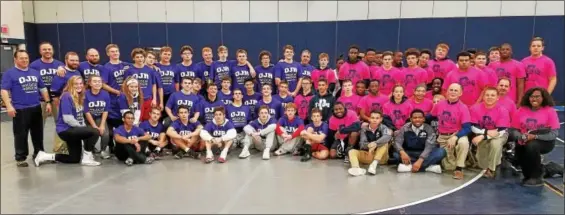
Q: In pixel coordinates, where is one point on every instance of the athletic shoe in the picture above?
(105, 155)
(179, 154)
(22, 164)
(88, 159)
(129, 162)
(404, 168)
(267, 154)
(244, 153)
(42, 157)
(307, 153)
(356, 171)
(458, 175)
(346, 159)
(533, 182)
(279, 152)
(149, 160)
(434, 168)
(193, 154)
(373, 168)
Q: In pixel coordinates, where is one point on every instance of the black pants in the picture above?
(75, 137)
(126, 150)
(112, 124)
(529, 155)
(27, 120)
(163, 112)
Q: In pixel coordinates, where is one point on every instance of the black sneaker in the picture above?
(533, 182)
(179, 154)
(306, 153)
(22, 164)
(193, 154)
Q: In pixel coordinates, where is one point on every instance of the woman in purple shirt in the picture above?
(131, 99)
(72, 128)
(97, 104)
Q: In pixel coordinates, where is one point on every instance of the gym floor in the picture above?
(280, 185)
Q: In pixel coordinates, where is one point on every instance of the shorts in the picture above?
(318, 147)
(145, 110)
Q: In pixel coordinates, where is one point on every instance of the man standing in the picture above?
(472, 80)
(92, 67)
(354, 69)
(323, 100)
(47, 67)
(21, 90)
(511, 69)
(454, 123)
(441, 65)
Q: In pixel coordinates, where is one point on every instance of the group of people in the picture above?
(426, 116)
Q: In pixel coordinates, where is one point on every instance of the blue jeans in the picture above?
(435, 157)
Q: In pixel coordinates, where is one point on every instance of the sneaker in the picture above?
(346, 159)
(458, 175)
(279, 152)
(149, 160)
(533, 182)
(267, 154)
(22, 164)
(41, 157)
(129, 162)
(179, 154)
(404, 168)
(193, 154)
(244, 153)
(356, 171)
(105, 155)
(88, 159)
(434, 168)
(373, 168)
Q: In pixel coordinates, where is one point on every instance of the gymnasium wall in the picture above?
(11, 15)
(321, 26)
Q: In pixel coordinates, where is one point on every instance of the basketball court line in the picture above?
(477, 177)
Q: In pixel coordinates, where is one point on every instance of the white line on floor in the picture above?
(562, 123)
(235, 197)
(60, 202)
(429, 198)
(560, 140)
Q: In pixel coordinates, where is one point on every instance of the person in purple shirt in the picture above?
(131, 99)
(25, 87)
(288, 131)
(275, 106)
(315, 137)
(220, 133)
(185, 134)
(186, 67)
(289, 70)
(157, 131)
(92, 67)
(225, 94)
(305, 63)
(146, 79)
(71, 69)
(265, 71)
(283, 96)
(167, 74)
(239, 115)
(204, 68)
(260, 134)
(131, 142)
(242, 70)
(250, 97)
(221, 67)
(47, 67)
(96, 106)
(209, 103)
(150, 59)
(72, 128)
(183, 97)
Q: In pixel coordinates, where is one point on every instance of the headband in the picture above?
(131, 81)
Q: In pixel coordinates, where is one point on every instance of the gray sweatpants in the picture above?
(290, 146)
(267, 142)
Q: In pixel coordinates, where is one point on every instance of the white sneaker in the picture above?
(434, 168)
(279, 152)
(41, 157)
(373, 168)
(88, 159)
(244, 153)
(267, 154)
(404, 168)
(105, 155)
(356, 171)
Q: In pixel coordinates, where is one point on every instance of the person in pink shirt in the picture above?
(481, 64)
(341, 140)
(349, 99)
(435, 88)
(398, 109)
(413, 75)
(425, 55)
(374, 101)
(535, 128)
(511, 69)
(361, 88)
(386, 75)
(353, 69)
(540, 69)
(441, 65)
(419, 100)
(454, 124)
(493, 54)
(302, 100)
(490, 121)
(323, 71)
(503, 86)
(471, 79)
(371, 61)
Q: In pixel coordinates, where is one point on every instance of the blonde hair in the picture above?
(78, 98)
(128, 94)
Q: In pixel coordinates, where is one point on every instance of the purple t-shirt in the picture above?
(203, 71)
(167, 77)
(116, 74)
(258, 126)
(239, 74)
(307, 70)
(291, 72)
(59, 83)
(133, 134)
(226, 98)
(86, 70)
(146, 78)
(251, 101)
(179, 98)
(184, 129)
(154, 131)
(182, 71)
(24, 87)
(285, 100)
(123, 104)
(265, 76)
(96, 104)
(275, 107)
(218, 130)
(290, 126)
(322, 129)
(67, 107)
(207, 109)
(46, 70)
(239, 116)
(220, 69)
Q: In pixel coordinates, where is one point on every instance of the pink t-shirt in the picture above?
(538, 71)
(512, 70)
(351, 102)
(440, 68)
(302, 103)
(429, 95)
(347, 120)
(370, 103)
(410, 78)
(425, 105)
(493, 118)
(472, 81)
(399, 113)
(387, 80)
(451, 116)
(526, 120)
(490, 75)
(508, 104)
(355, 72)
(326, 73)
(373, 71)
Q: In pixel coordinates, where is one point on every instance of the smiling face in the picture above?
(305, 58)
(505, 51)
(166, 57)
(133, 88)
(454, 92)
(420, 92)
(46, 51)
(490, 97)
(288, 54)
(503, 87)
(95, 82)
(339, 110)
(72, 62)
(494, 56)
(536, 99)
(417, 119)
(78, 85)
(92, 56)
(113, 53)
